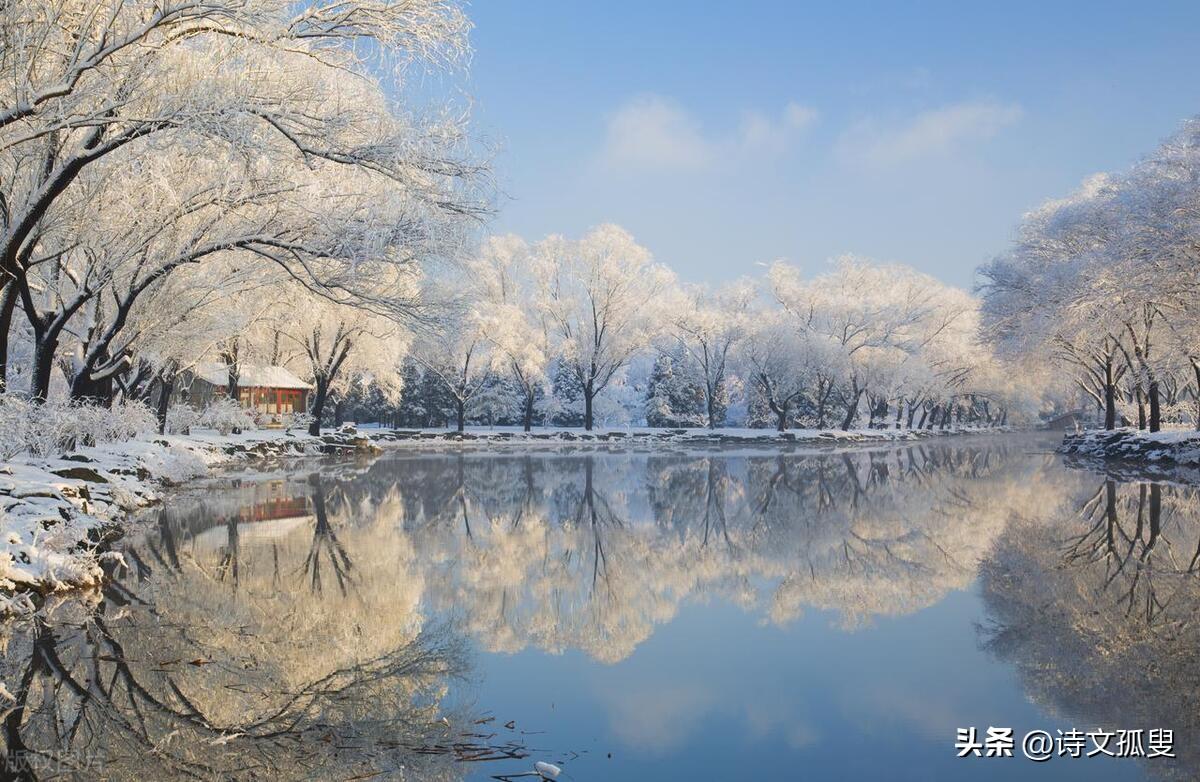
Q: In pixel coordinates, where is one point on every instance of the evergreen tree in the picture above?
(497, 403)
(673, 396)
(566, 405)
(425, 402)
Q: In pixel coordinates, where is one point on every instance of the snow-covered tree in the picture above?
(334, 345)
(708, 324)
(599, 296)
(454, 347)
(249, 127)
(503, 278)
(674, 398)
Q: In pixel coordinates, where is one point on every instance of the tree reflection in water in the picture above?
(591, 550)
(217, 653)
(308, 620)
(1095, 599)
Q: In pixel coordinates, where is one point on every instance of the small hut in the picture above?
(271, 393)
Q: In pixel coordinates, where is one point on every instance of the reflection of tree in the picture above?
(592, 550)
(128, 694)
(184, 672)
(1095, 599)
(325, 542)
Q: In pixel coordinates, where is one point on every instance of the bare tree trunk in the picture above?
(528, 417)
(589, 394)
(233, 368)
(460, 410)
(8, 304)
(1196, 370)
(1141, 406)
(98, 392)
(1110, 395)
(1155, 407)
(166, 384)
(318, 407)
(45, 346)
(851, 411)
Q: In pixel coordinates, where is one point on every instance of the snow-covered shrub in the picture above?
(299, 421)
(15, 414)
(181, 419)
(82, 426)
(52, 428)
(226, 415)
(129, 421)
(61, 426)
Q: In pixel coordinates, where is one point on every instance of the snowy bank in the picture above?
(635, 436)
(55, 513)
(1172, 448)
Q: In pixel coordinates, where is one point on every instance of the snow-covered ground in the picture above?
(1172, 446)
(55, 513)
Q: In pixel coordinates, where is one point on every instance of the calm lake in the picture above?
(629, 614)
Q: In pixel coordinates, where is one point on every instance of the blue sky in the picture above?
(725, 135)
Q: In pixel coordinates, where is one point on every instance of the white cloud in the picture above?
(653, 132)
(658, 718)
(759, 132)
(930, 132)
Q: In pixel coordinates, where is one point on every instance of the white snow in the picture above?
(250, 376)
(1169, 446)
(52, 510)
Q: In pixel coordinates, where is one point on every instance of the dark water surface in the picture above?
(726, 615)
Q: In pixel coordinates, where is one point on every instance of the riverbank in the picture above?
(636, 436)
(1133, 454)
(1173, 447)
(56, 514)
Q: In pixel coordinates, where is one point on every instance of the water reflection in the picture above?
(1096, 600)
(592, 551)
(241, 639)
(310, 622)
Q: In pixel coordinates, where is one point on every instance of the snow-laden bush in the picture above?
(129, 421)
(299, 421)
(226, 415)
(181, 419)
(60, 426)
(15, 415)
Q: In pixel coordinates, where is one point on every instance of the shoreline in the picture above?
(390, 438)
(1171, 455)
(57, 514)
(1173, 447)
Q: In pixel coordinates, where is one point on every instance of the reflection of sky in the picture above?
(717, 695)
(731, 658)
